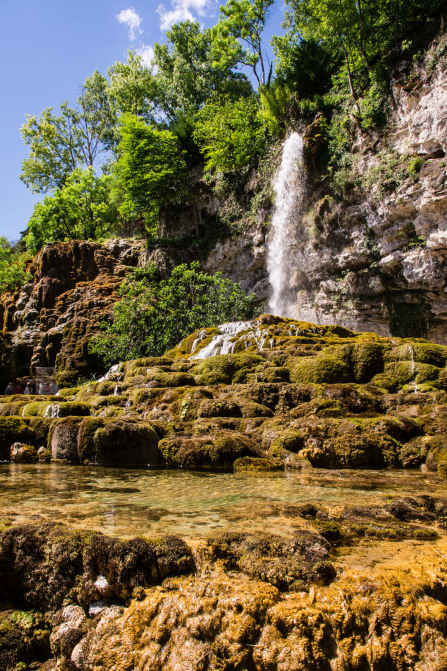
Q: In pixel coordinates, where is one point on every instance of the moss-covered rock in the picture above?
(118, 442)
(24, 639)
(289, 564)
(22, 453)
(218, 450)
(14, 430)
(319, 369)
(253, 464)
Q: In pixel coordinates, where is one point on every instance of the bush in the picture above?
(12, 266)
(154, 314)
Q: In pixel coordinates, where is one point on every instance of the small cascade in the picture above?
(289, 194)
(221, 343)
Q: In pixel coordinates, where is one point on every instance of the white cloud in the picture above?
(130, 19)
(181, 10)
(147, 54)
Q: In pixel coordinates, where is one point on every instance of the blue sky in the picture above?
(49, 47)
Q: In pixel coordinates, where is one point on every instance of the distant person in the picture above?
(32, 387)
(9, 389)
(27, 389)
(19, 389)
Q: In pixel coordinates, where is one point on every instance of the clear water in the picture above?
(128, 502)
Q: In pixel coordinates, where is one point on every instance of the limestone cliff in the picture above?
(72, 288)
(375, 257)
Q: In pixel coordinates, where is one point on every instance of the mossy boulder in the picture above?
(319, 369)
(287, 563)
(42, 565)
(63, 439)
(24, 639)
(56, 409)
(223, 368)
(14, 430)
(219, 450)
(253, 464)
(22, 453)
(118, 442)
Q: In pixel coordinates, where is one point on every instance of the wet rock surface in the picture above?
(250, 601)
(286, 394)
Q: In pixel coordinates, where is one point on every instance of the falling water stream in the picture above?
(289, 192)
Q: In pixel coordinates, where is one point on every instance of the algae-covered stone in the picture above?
(13, 430)
(118, 442)
(221, 369)
(208, 451)
(24, 639)
(287, 563)
(22, 453)
(253, 464)
(63, 439)
(318, 369)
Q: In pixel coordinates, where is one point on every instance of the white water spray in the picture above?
(289, 193)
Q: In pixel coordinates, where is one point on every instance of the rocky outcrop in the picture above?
(73, 287)
(374, 259)
(251, 601)
(288, 395)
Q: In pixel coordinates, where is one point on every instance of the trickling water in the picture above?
(289, 192)
(221, 343)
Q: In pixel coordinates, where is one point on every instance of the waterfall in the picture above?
(289, 192)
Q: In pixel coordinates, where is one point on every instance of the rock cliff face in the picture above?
(375, 259)
(72, 287)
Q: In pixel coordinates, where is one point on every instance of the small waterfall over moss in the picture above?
(289, 193)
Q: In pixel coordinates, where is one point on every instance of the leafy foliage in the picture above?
(13, 262)
(154, 314)
(229, 133)
(76, 138)
(133, 89)
(187, 74)
(81, 209)
(241, 23)
(150, 171)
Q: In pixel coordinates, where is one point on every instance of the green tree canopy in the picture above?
(81, 209)
(154, 314)
(187, 73)
(13, 260)
(150, 171)
(76, 138)
(133, 88)
(238, 37)
(229, 133)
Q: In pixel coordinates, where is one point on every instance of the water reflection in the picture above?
(128, 502)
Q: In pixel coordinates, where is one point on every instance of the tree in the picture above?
(229, 133)
(81, 209)
(13, 260)
(150, 171)
(133, 89)
(154, 314)
(242, 22)
(75, 138)
(187, 73)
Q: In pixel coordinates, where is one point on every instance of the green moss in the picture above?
(318, 369)
(275, 374)
(287, 439)
(329, 530)
(222, 369)
(253, 464)
(14, 430)
(367, 360)
(86, 438)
